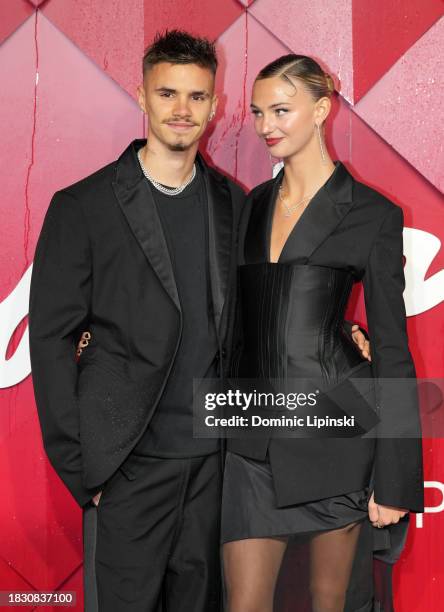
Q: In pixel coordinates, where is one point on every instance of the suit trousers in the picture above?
(152, 544)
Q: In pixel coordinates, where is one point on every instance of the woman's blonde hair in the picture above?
(319, 83)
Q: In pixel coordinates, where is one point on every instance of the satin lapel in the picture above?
(220, 238)
(138, 206)
(257, 238)
(324, 213)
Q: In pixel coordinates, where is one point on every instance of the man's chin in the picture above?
(179, 146)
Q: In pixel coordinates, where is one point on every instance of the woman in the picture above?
(305, 238)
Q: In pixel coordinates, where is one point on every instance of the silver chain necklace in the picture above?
(171, 191)
(289, 210)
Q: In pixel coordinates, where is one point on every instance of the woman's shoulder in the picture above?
(258, 191)
(364, 195)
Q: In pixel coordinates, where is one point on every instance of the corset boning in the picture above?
(292, 318)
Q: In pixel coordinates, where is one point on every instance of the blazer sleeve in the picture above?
(58, 311)
(398, 472)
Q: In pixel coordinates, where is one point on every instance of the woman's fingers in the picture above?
(382, 516)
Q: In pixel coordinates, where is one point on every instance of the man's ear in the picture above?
(214, 104)
(141, 98)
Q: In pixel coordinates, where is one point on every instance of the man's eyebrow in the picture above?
(200, 93)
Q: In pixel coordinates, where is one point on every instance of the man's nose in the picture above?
(182, 107)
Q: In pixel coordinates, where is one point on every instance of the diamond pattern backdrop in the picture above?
(69, 71)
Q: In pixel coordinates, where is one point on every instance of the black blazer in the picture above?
(352, 228)
(102, 264)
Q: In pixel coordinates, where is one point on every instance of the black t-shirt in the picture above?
(185, 224)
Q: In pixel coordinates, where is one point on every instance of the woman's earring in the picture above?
(321, 144)
(211, 116)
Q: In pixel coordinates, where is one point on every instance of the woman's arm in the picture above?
(398, 461)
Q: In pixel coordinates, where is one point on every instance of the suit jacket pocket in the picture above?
(356, 396)
(113, 412)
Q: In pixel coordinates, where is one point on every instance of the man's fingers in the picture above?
(362, 342)
(358, 337)
(96, 498)
(373, 514)
(367, 350)
(373, 510)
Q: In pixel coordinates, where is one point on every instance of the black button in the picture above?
(223, 353)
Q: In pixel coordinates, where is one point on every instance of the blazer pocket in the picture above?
(113, 411)
(355, 394)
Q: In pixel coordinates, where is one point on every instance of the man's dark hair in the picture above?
(179, 47)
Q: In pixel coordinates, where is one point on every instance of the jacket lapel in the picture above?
(321, 217)
(138, 206)
(220, 237)
(257, 238)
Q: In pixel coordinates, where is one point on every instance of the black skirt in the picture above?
(249, 510)
(249, 507)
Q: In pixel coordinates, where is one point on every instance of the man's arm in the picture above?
(58, 310)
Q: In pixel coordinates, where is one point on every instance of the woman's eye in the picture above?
(166, 94)
(198, 98)
(256, 113)
(280, 111)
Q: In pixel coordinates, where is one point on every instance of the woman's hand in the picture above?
(361, 341)
(381, 516)
(83, 342)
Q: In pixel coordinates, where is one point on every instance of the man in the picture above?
(142, 255)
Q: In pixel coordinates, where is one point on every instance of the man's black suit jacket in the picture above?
(102, 264)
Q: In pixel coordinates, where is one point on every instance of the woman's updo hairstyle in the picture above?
(319, 83)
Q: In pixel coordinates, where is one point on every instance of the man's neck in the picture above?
(172, 168)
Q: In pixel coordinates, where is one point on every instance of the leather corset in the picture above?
(292, 322)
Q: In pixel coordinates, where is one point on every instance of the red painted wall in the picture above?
(68, 74)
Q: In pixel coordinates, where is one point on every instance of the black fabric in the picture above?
(347, 233)
(184, 221)
(89, 525)
(102, 264)
(353, 233)
(292, 329)
(256, 514)
(153, 544)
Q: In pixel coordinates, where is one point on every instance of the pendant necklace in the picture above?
(289, 210)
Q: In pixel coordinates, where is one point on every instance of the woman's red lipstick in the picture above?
(272, 141)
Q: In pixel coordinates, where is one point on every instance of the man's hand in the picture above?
(96, 498)
(381, 516)
(361, 341)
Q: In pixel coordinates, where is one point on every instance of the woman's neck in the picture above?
(305, 173)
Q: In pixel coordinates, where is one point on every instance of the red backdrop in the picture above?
(68, 74)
